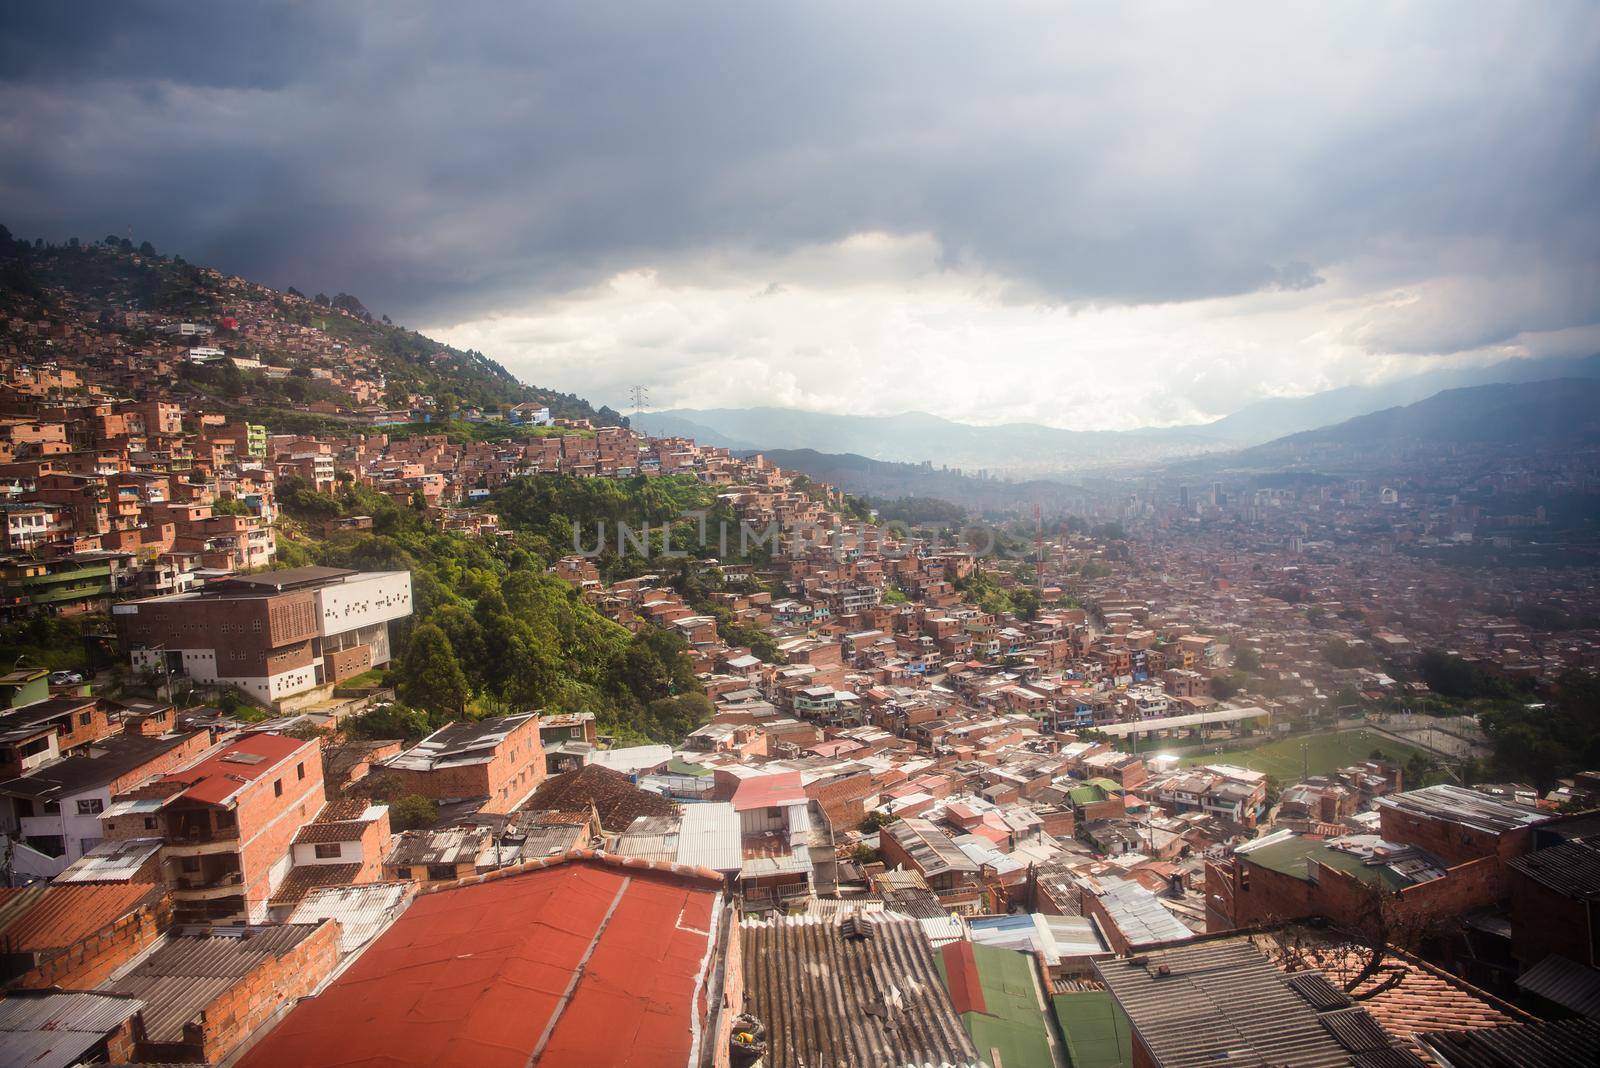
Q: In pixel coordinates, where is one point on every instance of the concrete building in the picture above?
(281, 637)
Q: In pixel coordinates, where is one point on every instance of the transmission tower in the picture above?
(640, 397)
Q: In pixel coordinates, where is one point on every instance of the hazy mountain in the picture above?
(1557, 412)
(1279, 417)
(915, 437)
(879, 478)
(1032, 449)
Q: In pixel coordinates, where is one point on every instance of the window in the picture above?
(149, 823)
(327, 850)
(277, 787)
(299, 771)
(189, 863)
(84, 719)
(91, 806)
(402, 873)
(441, 871)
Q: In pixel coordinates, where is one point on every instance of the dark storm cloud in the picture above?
(438, 160)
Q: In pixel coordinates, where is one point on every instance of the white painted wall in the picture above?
(361, 602)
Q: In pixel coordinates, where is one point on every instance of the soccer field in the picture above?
(1291, 759)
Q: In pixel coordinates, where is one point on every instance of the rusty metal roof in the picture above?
(582, 960)
(51, 915)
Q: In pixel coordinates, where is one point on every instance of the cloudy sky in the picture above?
(1095, 217)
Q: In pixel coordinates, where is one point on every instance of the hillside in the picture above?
(123, 293)
(866, 477)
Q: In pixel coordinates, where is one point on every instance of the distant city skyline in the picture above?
(1086, 218)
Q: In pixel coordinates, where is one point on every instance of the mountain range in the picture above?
(1033, 450)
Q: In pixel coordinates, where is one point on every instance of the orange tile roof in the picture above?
(49, 916)
(1424, 998)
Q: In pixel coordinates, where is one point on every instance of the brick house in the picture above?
(227, 822)
(500, 760)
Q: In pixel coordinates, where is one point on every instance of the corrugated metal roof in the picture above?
(1469, 808)
(709, 836)
(56, 1030)
(1215, 1004)
(187, 972)
(633, 759)
(1567, 983)
(830, 996)
(49, 916)
(1571, 869)
(1139, 914)
(363, 912)
(929, 847)
(1535, 1045)
(111, 862)
(458, 744)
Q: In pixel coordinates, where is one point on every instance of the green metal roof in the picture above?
(1086, 795)
(683, 767)
(1293, 856)
(1014, 1021)
(1095, 1028)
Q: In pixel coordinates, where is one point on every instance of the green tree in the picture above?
(430, 675)
(390, 721)
(412, 812)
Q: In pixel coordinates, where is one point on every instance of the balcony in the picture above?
(200, 847)
(197, 886)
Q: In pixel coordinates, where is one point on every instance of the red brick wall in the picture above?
(1451, 842)
(176, 757)
(893, 855)
(375, 842)
(843, 801)
(732, 991)
(514, 772)
(1060, 822)
(253, 999)
(1272, 896)
(1109, 809)
(269, 821)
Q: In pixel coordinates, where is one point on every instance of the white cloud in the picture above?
(874, 324)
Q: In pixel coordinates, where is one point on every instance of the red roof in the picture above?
(769, 791)
(216, 778)
(476, 974)
(48, 916)
(961, 976)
